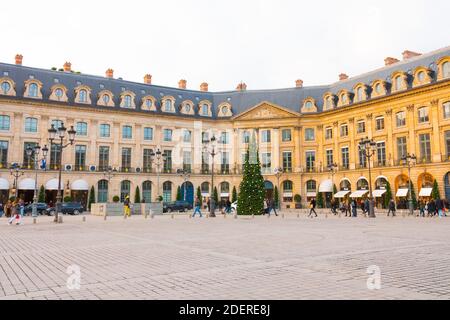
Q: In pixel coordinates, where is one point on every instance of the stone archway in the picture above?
(269, 189)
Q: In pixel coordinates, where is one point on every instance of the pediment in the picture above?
(266, 110)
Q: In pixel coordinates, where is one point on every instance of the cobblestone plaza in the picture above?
(225, 258)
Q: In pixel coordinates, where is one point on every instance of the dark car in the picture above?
(73, 208)
(180, 206)
(41, 208)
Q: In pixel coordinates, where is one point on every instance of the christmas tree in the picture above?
(276, 197)
(251, 191)
(413, 196)
(91, 198)
(41, 196)
(319, 199)
(199, 194)
(137, 195)
(234, 195)
(179, 195)
(435, 193)
(216, 197)
(387, 196)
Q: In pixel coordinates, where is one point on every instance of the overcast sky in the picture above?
(265, 43)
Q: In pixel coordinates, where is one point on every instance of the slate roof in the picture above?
(241, 101)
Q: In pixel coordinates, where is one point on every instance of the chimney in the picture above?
(410, 54)
(148, 79)
(109, 73)
(204, 86)
(299, 83)
(182, 84)
(241, 87)
(389, 61)
(67, 67)
(343, 76)
(19, 59)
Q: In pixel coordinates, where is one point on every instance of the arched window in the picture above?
(5, 87)
(102, 193)
(205, 109)
(187, 108)
(59, 93)
(125, 187)
(33, 90)
(168, 105)
(345, 185)
(148, 103)
(106, 99)
(446, 69)
(378, 88)
(147, 191)
(205, 188)
(167, 191)
(4, 123)
(287, 186)
(344, 98)
(359, 94)
(225, 187)
(311, 186)
(421, 76)
(82, 96)
(362, 184)
(398, 83)
(308, 105)
(127, 101)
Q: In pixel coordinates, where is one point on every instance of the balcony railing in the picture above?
(344, 167)
(423, 160)
(126, 169)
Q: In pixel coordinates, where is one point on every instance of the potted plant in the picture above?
(159, 199)
(298, 201)
(116, 199)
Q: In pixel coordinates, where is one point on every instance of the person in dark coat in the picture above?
(312, 207)
(391, 208)
(354, 206)
(431, 208)
(440, 207)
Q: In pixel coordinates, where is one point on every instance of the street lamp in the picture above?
(332, 169)
(16, 173)
(60, 134)
(158, 158)
(409, 160)
(33, 155)
(368, 147)
(212, 151)
(278, 172)
(185, 175)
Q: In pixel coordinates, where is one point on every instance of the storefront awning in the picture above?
(311, 194)
(27, 184)
(358, 194)
(425, 192)
(326, 186)
(341, 194)
(378, 193)
(224, 194)
(401, 193)
(79, 185)
(4, 184)
(52, 185)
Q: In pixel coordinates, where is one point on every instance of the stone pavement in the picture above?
(218, 258)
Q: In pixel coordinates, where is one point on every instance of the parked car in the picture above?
(73, 208)
(41, 208)
(180, 206)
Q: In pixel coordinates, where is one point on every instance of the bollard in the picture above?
(104, 217)
(60, 219)
(84, 219)
(253, 216)
(152, 216)
(171, 216)
(34, 220)
(282, 216)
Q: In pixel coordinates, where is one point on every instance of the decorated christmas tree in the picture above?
(251, 191)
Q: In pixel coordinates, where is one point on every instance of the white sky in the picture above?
(265, 43)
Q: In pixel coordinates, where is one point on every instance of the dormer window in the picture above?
(446, 69)
(59, 93)
(421, 76)
(33, 90)
(308, 105)
(359, 94)
(148, 103)
(187, 108)
(5, 87)
(204, 109)
(105, 99)
(82, 96)
(127, 101)
(168, 106)
(378, 88)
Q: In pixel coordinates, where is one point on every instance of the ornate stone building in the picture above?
(404, 106)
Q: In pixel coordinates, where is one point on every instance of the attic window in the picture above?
(102, 86)
(56, 80)
(6, 73)
(79, 83)
(142, 91)
(31, 76)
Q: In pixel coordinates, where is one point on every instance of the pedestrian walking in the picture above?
(312, 208)
(391, 208)
(272, 207)
(228, 206)
(127, 206)
(422, 208)
(431, 208)
(354, 206)
(440, 207)
(15, 214)
(366, 206)
(2, 212)
(197, 206)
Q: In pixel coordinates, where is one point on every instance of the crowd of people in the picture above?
(14, 210)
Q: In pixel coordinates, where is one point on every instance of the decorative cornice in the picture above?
(369, 116)
(434, 102)
(389, 112)
(410, 107)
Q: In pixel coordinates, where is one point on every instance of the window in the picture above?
(187, 136)
(311, 186)
(125, 189)
(167, 135)
(379, 123)
(147, 191)
(167, 191)
(265, 136)
(106, 99)
(400, 119)
(5, 87)
(286, 135)
(246, 137)
(402, 147)
(421, 76)
(148, 134)
(381, 154)
(167, 156)
(288, 187)
(225, 163)
(398, 83)
(328, 103)
(33, 90)
(359, 94)
(309, 134)
(330, 160)
(28, 161)
(344, 99)
(345, 158)
(81, 129)
(4, 123)
(149, 103)
(205, 162)
(423, 115)
(168, 105)
(446, 69)
(187, 161)
(425, 147)
(225, 138)
(126, 159)
(447, 143)
(127, 132)
(310, 160)
(103, 158)
(266, 160)
(147, 160)
(127, 101)
(446, 107)
(378, 88)
(82, 96)
(308, 105)
(80, 157)
(328, 133)
(361, 127)
(102, 194)
(3, 154)
(344, 130)
(105, 131)
(55, 157)
(57, 124)
(205, 136)
(287, 161)
(187, 108)
(362, 158)
(59, 93)
(205, 109)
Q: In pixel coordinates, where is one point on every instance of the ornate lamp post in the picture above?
(158, 158)
(368, 147)
(60, 134)
(212, 151)
(16, 173)
(409, 160)
(185, 175)
(278, 172)
(332, 169)
(33, 154)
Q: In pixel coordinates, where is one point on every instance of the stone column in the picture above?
(137, 153)
(115, 150)
(436, 137)
(91, 159)
(320, 155)
(275, 148)
(352, 151)
(17, 144)
(390, 142)
(411, 126)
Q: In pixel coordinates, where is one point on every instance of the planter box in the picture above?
(116, 209)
